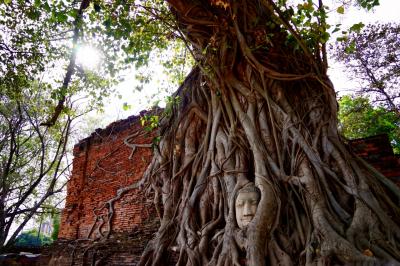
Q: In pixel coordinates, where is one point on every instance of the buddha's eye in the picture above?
(239, 203)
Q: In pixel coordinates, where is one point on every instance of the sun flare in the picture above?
(88, 57)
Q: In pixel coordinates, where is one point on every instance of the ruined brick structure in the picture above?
(377, 151)
(103, 164)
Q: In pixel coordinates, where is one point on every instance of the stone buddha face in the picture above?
(246, 204)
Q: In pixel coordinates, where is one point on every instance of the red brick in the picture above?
(101, 166)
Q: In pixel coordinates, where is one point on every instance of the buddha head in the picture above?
(246, 203)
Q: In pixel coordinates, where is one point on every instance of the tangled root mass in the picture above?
(257, 110)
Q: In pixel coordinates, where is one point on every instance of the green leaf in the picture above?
(33, 14)
(97, 7)
(357, 27)
(342, 39)
(46, 7)
(61, 17)
(325, 37)
(73, 13)
(126, 106)
(350, 48)
(107, 23)
(368, 4)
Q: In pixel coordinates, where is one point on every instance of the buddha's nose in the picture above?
(247, 209)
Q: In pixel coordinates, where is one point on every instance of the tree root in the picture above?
(264, 114)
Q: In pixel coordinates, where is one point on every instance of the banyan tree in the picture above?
(258, 110)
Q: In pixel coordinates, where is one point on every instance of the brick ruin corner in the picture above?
(102, 165)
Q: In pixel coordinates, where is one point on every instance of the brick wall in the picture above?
(117, 250)
(377, 151)
(102, 165)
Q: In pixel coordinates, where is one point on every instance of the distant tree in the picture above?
(359, 119)
(56, 225)
(38, 104)
(372, 57)
(32, 157)
(32, 238)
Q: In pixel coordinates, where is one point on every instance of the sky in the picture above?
(156, 90)
(387, 11)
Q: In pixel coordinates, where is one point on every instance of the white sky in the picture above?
(387, 11)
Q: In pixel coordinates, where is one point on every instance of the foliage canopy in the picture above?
(359, 119)
(371, 56)
(32, 238)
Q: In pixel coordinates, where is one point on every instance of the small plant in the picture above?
(171, 102)
(149, 122)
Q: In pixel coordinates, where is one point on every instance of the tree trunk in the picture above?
(256, 109)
